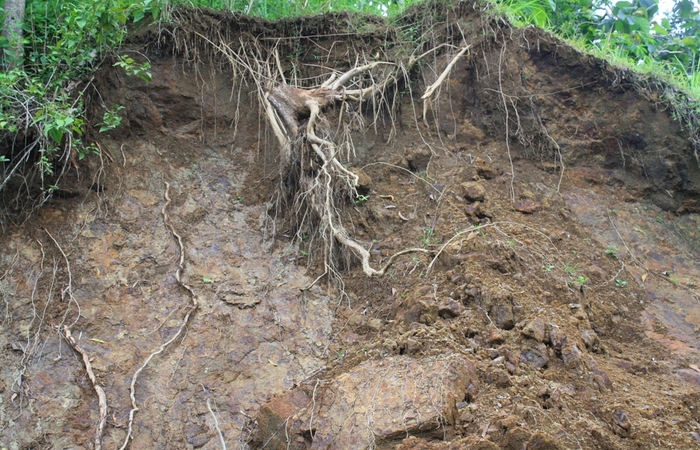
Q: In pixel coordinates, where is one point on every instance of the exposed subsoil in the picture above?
(557, 310)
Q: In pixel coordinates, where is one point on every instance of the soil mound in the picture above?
(339, 233)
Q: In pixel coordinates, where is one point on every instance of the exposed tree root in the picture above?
(192, 308)
(309, 157)
(101, 397)
(433, 87)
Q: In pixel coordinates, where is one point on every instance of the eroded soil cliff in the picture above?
(556, 306)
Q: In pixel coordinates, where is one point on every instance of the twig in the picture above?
(101, 397)
(192, 308)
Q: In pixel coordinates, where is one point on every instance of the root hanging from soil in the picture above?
(194, 305)
(309, 156)
(314, 155)
(101, 397)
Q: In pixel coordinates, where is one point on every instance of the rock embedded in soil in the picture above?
(537, 357)
(498, 378)
(590, 340)
(364, 182)
(571, 355)
(543, 441)
(450, 309)
(275, 416)
(621, 425)
(485, 170)
(472, 191)
(535, 330)
(526, 206)
(418, 157)
(557, 338)
(377, 400)
(502, 316)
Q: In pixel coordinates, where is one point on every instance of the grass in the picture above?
(282, 9)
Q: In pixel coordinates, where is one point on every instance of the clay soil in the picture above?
(557, 307)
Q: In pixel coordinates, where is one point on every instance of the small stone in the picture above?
(591, 341)
(375, 324)
(472, 391)
(536, 357)
(688, 375)
(527, 194)
(601, 380)
(411, 346)
(526, 206)
(473, 191)
(502, 316)
(275, 414)
(475, 210)
(498, 377)
(450, 309)
(364, 182)
(543, 441)
(495, 336)
(418, 157)
(621, 425)
(516, 439)
(390, 345)
(571, 355)
(535, 330)
(485, 170)
(557, 338)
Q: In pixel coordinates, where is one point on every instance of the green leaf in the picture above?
(56, 134)
(207, 280)
(658, 29)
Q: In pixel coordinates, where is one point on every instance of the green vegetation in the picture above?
(630, 33)
(360, 199)
(611, 251)
(42, 90)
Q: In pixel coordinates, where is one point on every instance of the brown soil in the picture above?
(557, 309)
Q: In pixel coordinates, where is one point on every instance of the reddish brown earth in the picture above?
(557, 310)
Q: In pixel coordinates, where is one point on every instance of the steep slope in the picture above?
(554, 306)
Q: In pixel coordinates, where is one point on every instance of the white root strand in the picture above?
(192, 308)
(101, 397)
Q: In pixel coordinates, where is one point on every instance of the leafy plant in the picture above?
(41, 97)
(620, 283)
(582, 280)
(360, 199)
(132, 68)
(111, 119)
(611, 251)
(570, 269)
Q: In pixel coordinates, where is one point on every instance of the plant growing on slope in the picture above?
(42, 117)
